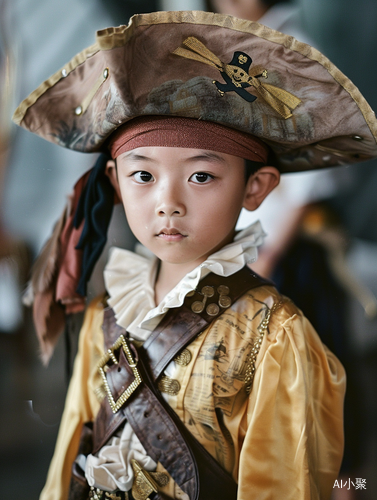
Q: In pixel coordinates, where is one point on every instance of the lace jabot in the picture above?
(130, 277)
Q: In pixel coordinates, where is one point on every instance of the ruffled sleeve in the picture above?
(81, 404)
(293, 442)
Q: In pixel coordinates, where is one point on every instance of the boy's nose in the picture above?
(170, 210)
(170, 205)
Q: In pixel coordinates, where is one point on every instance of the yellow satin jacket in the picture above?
(280, 438)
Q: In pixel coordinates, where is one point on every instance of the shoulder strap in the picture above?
(163, 435)
(180, 326)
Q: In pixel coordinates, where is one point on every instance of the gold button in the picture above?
(223, 290)
(184, 358)
(225, 301)
(208, 291)
(169, 385)
(197, 307)
(212, 310)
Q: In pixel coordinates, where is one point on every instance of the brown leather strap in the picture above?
(163, 435)
(159, 433)
(180, 326)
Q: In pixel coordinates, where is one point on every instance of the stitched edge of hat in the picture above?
(32, 98)
(114, 37)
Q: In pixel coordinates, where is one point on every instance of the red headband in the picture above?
(173, 131)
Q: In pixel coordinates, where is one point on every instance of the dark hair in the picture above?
(251, 167)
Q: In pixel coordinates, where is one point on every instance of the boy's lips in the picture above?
(171, 234)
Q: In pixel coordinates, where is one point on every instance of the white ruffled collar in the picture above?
(130, 278)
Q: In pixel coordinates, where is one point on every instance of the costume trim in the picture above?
(162, 434)
(262, 329)
(80, 58)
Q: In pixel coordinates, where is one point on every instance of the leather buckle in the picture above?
(104, 363)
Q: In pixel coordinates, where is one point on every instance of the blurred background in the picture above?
(326, 254)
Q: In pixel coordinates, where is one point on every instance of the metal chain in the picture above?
(262, 329)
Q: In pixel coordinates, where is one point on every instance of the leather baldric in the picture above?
(161, 432)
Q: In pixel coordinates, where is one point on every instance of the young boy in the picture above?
(211, 384)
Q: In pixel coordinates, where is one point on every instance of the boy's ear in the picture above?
(259, 186)
(111, 172)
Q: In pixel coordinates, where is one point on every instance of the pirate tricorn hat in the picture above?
(199, 65)
(188, 64)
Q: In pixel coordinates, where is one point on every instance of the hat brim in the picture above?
(133, 70)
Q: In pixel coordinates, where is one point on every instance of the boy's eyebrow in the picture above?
(137, 157)
(207, 156)
(202, 156)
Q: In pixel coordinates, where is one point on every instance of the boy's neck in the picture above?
(169, 275)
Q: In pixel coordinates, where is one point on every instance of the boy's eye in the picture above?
(201, 178)
(142, 176)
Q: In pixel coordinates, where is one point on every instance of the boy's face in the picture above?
(182, 204)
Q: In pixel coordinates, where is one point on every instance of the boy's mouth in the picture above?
(171, 234)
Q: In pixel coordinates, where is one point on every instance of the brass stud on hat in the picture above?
(88, 99)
